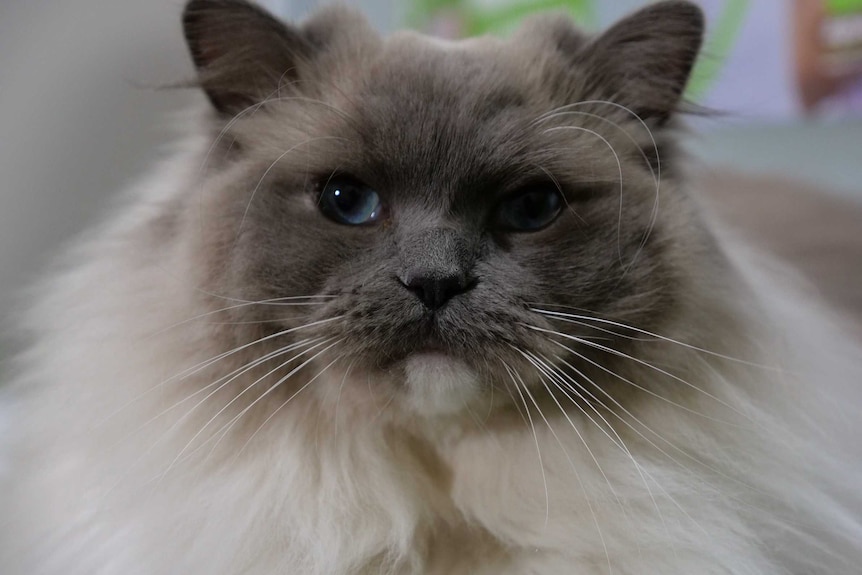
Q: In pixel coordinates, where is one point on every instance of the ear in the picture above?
(644, 61)
(241, 52)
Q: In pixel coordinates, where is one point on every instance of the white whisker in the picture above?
(642, 388)
(536, 438)
(203, 365)
(587, 497)
(188, 372)
(648, 429)
(643, 473)
(226, 379)
(619, 169)
(574, 318)
(338, 398)
(244, 391)
(639, 362)
(279, 408)
(231, 377)
(564, 110)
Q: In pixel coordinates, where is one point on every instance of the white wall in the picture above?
(76, 122)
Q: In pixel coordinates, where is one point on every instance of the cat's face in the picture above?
(437, 195)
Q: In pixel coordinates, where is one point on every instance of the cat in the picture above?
(411, 306)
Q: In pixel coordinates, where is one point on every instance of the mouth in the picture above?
(425, 341)
(430, 347)
(432, 352)
(388, 347)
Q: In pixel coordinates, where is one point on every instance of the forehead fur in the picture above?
(247, 58)
(414, 106)
(412, 88)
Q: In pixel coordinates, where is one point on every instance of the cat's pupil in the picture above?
(347, 199)
(535, 205)
(531, 210)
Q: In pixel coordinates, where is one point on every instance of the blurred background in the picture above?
(80, 115)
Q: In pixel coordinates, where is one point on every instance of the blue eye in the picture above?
(350, 202)
(530, 210)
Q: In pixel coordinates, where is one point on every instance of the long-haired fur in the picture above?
(222, 381)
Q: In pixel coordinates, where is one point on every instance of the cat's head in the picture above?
(428, 197)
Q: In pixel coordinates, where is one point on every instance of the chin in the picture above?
(438, 384)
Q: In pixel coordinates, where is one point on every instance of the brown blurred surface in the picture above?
(815, 231)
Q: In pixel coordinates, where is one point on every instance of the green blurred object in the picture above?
(843, 7)
(718, 47)
(464, 18)
(507, 17)
(474, 20)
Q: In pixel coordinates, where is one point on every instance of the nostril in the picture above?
(417, 286)
(435, 290)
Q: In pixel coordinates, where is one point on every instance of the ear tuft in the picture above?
(241, 52)
(645, 60)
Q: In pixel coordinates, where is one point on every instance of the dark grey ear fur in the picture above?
(241, 52)
(244, 55)
(644, 61)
